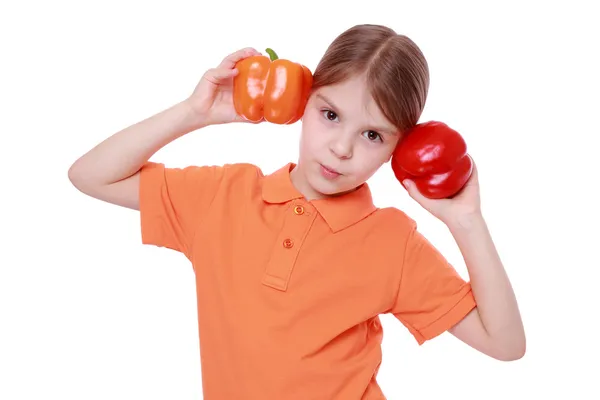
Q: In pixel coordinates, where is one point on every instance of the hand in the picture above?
(461, 207)
(212, 99)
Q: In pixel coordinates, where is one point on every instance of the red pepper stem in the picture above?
(272, 54)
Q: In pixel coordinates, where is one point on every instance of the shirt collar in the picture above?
(339, 212)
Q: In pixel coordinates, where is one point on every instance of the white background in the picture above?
(87, 312)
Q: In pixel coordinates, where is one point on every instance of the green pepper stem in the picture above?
(272, 54)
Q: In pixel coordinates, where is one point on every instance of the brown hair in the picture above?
(394, 66)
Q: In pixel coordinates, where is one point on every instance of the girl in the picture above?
(294, 268)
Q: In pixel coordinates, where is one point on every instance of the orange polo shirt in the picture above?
(290, 291)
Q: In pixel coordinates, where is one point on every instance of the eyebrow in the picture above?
(378, 129)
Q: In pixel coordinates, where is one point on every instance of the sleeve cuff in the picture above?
(447, 320)
(151, 176)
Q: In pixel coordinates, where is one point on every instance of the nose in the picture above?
(341, 146)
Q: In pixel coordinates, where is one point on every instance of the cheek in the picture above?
(311, 140)
(372, 157)
(310, 119)
(313, 134)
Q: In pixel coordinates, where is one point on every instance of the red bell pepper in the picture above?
(435, 157)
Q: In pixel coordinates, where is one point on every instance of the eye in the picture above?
(330, 115)
(372, 135)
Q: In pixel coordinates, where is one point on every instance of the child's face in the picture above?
(342, 129)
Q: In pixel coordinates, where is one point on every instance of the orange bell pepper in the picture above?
(271, 89)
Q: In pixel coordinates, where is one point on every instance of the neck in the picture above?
(299, 181)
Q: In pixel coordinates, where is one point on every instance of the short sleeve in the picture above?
(172, 202)
(432, 296)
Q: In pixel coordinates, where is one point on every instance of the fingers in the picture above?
(474, 172)
(217, 75)
(411, 188)
(230, 61)
(414, 192)
(227, 69)
(222, 73)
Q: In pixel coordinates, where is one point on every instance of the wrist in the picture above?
(195, 119)
(466, 222)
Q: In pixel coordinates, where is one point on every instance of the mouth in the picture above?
(332, 170)
(329, 171)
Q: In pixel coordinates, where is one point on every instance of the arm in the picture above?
(109, 171)
(494, 327)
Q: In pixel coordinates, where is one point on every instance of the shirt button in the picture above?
(299, 210)
(288, 244)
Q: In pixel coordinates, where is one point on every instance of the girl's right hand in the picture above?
(212, 99)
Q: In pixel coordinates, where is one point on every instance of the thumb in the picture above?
(216, 75)
(413, 190)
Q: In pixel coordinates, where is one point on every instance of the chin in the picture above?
(330, 188)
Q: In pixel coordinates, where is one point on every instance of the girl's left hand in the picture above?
(464, 204)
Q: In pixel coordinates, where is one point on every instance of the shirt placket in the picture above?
(297, 223)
